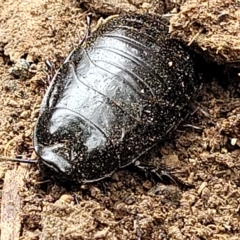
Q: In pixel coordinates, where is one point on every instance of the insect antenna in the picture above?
(26, 160)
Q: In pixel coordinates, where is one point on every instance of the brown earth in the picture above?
(211, 28)
(205, 150)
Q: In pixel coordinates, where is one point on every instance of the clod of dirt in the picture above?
(111, 7)
(69, 221)
(40, 27)
(211, 27)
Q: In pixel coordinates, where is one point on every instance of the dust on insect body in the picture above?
(114, 99)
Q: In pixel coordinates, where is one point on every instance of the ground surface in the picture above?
(127, 206)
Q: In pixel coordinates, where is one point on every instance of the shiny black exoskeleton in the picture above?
(114, 99)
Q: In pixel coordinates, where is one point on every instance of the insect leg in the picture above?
(161, 173)
(87, 31)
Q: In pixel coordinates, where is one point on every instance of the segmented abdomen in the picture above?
(115, 98)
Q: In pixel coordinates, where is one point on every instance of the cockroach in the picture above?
(114, 99)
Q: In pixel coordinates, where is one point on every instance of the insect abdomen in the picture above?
(115, 98)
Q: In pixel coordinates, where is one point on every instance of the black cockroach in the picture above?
(114, 99)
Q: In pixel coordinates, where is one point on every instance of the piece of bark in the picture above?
(11, 203)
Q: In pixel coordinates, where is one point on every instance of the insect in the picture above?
(114, 99)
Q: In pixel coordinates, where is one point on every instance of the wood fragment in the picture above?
(11, 204)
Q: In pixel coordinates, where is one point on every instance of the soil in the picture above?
(205, 150)
(211, 28)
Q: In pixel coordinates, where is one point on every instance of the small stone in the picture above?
(20, 68)
(24, 114)
(66, 198)
(12, 103)
(234, 141)
(203, 185)
(101, 234)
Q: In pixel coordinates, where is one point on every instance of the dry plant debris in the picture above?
(11, 203)
(212, 26)
(127, 206)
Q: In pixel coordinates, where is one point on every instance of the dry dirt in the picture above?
(205, 150)
(211, 27)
